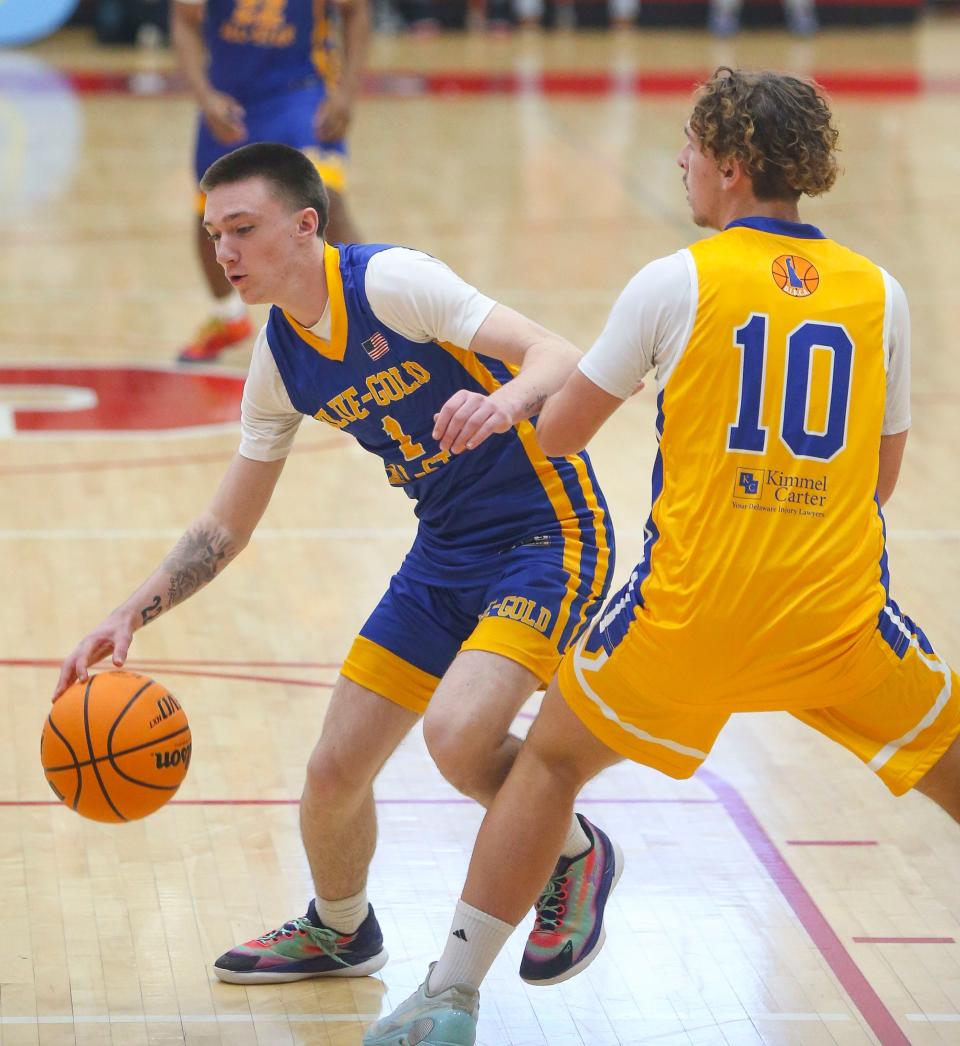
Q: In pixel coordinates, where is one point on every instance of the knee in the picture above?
(463, 760)
(333, 776)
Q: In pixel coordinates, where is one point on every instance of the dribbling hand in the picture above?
(115, 634)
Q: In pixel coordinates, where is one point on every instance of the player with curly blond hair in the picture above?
(782, 364)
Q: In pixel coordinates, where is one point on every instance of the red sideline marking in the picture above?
(832, 842)
(412, 83)
(172, 669)
(870, 1005)
(904, 940)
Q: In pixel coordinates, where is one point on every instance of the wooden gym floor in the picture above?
(780, 897)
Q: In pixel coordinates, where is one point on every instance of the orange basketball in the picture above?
(116, 747)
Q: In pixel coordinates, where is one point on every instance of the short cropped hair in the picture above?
(778, 127)
(292, 176)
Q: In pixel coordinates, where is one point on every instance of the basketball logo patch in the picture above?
(795, 275)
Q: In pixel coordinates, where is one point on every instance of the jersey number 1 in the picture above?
(747, 435)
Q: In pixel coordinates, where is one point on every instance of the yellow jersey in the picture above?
(764, 582)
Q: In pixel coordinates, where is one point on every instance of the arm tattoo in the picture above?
(155, 609)
(195, 560)
(533, 406)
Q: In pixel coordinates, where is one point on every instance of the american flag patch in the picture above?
(376, 346)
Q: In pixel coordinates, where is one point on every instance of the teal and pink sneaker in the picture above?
(304, 948)
(568, 933)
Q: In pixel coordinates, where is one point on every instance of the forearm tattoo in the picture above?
(154, 609)
(196, 559)
(533, 405)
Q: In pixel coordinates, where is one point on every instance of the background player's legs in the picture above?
(340, 225)
(941, 783)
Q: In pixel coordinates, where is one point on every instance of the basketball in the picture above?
(116, 747)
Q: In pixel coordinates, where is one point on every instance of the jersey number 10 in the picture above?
(747, 435)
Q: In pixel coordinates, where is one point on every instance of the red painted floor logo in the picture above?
(116, 399)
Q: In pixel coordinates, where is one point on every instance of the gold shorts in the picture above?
(899, 728)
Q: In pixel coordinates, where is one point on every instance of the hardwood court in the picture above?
(780, 897)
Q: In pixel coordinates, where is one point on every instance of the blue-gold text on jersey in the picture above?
(520, 608)
(381, 389)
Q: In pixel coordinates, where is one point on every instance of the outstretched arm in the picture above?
(545, 359)
(572, 417)
(212, 540)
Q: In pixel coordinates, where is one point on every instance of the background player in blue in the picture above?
(512, 556)
(268, 71)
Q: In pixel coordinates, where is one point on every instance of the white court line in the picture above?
(934, 1018)
(327, 533)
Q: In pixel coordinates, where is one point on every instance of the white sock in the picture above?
(229, 308)
(345, 915)
(577, 841)
(475, 940)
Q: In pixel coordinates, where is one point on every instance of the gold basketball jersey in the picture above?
(764, 581)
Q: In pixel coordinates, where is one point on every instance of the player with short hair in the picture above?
(513, 553)
(268, 71)
(782, 362)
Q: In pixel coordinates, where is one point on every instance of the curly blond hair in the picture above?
(778, 127)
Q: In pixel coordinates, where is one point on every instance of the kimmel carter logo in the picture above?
(773, 490)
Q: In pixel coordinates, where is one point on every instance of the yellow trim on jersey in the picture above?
(380, 670)
(518, 642)
(549, 480)
(336, 347)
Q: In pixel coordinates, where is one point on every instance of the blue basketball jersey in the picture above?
(262, 47)
(384, 390)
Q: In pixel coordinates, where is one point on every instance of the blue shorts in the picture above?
(286, 118)
(529, 606)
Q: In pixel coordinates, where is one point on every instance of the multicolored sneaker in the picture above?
(304, 948)
(215, 336)
(568, 933)
(448, 1018)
